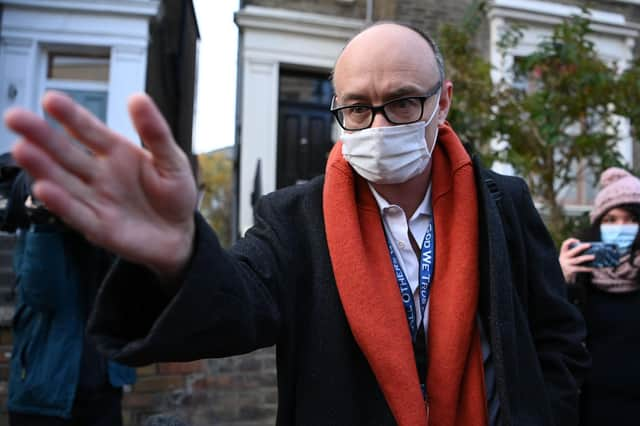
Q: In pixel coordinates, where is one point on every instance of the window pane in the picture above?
(64, 66)
(94, 101)
(305, 87)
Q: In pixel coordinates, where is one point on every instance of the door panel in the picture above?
(304, 142)
(304, 126)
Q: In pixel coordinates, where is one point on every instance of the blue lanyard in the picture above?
(427, 261)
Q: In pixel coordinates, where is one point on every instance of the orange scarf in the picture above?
(371, 298)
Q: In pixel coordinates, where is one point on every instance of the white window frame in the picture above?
(46, 83)
(28, 27)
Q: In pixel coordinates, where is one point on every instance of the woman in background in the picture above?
(609, 299)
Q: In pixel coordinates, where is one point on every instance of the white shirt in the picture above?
(395, 227)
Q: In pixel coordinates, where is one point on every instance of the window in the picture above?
(82, 73)
(64, 66)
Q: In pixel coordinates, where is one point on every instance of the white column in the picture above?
(259, 131)
(17, 68)
(127, 75)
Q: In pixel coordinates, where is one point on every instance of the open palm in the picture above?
(135, 202)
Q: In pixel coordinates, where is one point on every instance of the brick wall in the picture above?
(234, 391)
(345, 8)
(5, 354)
(7, 242)
(427, 15)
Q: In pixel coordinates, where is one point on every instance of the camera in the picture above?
(18, 207)
(606, 255)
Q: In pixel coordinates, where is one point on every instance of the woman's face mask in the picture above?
(391, 154)
(622, 235)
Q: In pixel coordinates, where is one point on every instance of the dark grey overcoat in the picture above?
(276, 286)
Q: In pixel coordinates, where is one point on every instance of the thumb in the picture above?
(155, 133)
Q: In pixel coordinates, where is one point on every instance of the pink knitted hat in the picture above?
(617, 187)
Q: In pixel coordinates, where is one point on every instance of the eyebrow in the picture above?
(409, 90)
(405, 91)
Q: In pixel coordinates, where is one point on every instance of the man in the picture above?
(481, 333)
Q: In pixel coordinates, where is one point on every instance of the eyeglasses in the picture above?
(405, 110)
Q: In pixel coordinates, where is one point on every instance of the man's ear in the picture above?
(445, 101)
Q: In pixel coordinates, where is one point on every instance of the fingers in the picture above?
(79, 122)
(63, 194)
(155, 133)
(578, 260)
(72, 210)
(571, 260)
(35, 130)
(566, 243)
(582, 269)
(43, 168)
(573, 246)
(578, 248)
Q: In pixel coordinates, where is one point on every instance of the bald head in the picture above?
(396, 35)
(385, 49)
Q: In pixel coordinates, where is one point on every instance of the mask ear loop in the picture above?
(433, 114)
(435, 110)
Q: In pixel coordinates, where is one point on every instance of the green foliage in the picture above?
(563, 122)
(560, 121)
(216, 172)
(470, 113)
(573, 225)
(627, 96)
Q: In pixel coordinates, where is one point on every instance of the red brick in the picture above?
(137, 400)
(4, 372)
(158, 384)
(200, 384)
(147, 370)
(6, 336)
(180, 367)
(222, 380)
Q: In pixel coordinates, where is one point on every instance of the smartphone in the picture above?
(606, 255)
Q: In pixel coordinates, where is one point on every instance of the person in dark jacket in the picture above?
(609, 299)
(56, 376)
(408, 285)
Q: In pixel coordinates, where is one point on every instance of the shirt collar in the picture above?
(424, 208)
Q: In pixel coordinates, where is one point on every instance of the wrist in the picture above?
(171, 267)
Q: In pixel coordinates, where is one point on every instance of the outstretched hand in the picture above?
(135, 202)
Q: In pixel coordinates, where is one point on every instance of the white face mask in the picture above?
(391, 154)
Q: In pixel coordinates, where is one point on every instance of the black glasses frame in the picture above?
(380, 108)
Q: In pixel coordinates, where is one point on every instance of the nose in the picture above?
(379, 120)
